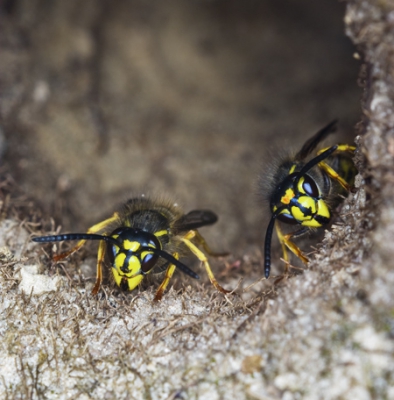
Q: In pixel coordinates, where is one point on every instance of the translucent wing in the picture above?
(195, 219)
(311, 144)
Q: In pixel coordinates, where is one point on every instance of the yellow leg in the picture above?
(99, 273)
(286, 242)
(340, 148)
(94, 229)
(169, 272)
(202, 257)
(201, 241)
(282, 241)
(294, 249)
(331, 172)
(334, 175)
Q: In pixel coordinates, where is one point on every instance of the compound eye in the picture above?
(154, 242)
(150, 259)
(310, 187)
(148, 262)
(287, 219)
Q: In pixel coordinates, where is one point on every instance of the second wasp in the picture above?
(305, 193)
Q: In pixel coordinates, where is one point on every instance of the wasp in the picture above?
(145, 235)
(305, 192)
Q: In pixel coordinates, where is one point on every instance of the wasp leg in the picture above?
(201, 241)
(340, 148)
(331, 172)
(99, 273)
(94, 229)
(286, 242)
(202, 257)
(169, 272)
(282, 242)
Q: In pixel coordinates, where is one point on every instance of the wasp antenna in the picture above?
(309, 165)
(267, 243)
(186, 270)
(76, 236)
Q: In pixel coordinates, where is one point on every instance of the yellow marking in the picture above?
(322, 209)
(161, 233)
(299, 186)
(129, 245)
(117, 277)
(311, 223)
(132, 282)
(319, 208)
(292, 169)
(298, 215)
(135, 281)
(133, 266)
(119, 260)
(169, 272)
(308, 202)
(202, 257)
(285, 211)
(288, 196)
(133, 274)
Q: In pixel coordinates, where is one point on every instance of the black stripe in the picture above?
(321, 219)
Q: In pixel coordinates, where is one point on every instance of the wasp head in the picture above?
(300, 200)
(134, 258)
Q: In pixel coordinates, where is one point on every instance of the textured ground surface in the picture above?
(187, 99)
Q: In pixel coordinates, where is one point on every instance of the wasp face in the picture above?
(301, 202)
(132, 260)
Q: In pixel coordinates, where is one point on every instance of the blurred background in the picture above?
(102, 100)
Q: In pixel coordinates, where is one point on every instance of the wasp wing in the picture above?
(195, 219)
(311, 144)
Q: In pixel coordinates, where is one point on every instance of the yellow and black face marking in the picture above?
(303, 193)
(143, 236)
